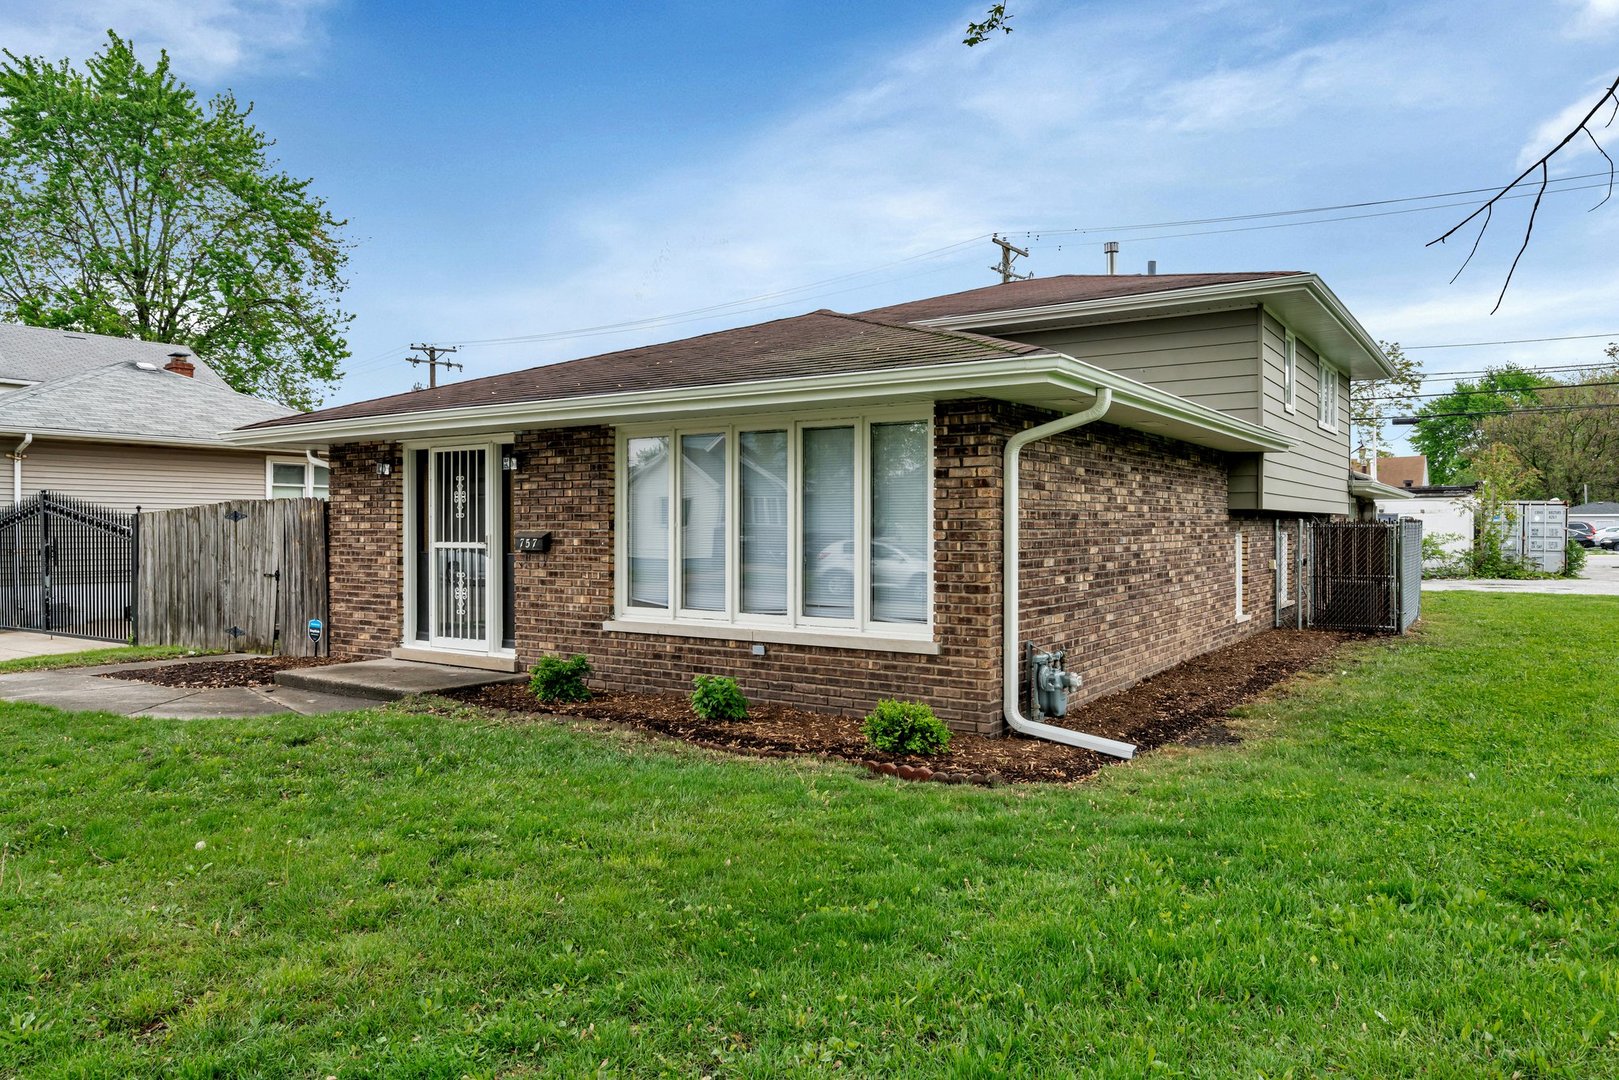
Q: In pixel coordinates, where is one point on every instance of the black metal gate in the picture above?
(1363, 576)
(68, 567)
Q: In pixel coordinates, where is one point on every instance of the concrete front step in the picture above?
(389, 680)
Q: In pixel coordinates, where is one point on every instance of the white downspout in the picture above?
(1010, 684)
(309, 473)
(16, 467)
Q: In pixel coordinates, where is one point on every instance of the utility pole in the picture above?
(1008, 254)
(433, 362)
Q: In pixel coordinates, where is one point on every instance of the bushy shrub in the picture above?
(557, 679)
(1574, 558)
(717, 697)
(905, 727)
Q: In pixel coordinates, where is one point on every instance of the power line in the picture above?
(433, 362)
(1407, 420)
(1498, 391)
(1511, 341)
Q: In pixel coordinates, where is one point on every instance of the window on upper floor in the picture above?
(1290, 371)
(811, 524)
(1326, 401)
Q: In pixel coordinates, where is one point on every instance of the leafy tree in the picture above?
(1571, 449)
(129, 208)
(1372, 402)
(995, 19)
(1502, 479)
(1449, 429)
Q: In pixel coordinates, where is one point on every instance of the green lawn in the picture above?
(1411, 867)
(94, 654)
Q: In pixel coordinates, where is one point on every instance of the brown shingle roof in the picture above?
(1067, 289)
(820, 343)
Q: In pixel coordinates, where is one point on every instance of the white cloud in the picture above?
(205, 39)
(1594, 16)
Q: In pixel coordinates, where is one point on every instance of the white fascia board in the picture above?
(1371, 489)
(1142, 305)
(116, 438)
(1026, 373)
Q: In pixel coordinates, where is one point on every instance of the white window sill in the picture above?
(826, 639)
(1243, 617)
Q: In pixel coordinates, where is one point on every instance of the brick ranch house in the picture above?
(815, 505)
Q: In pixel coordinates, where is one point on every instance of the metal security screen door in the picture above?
(459, 585)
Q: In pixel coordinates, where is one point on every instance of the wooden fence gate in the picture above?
(246, 575)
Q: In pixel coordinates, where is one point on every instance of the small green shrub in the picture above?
(717, 697)
(556, 679)
(1575, 558)
(905, 727)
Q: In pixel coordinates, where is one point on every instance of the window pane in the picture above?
(647, 504)
(899, 522)
(763, 476)
(287, 474)
(321, 486)
(702, 522)
(828, 527)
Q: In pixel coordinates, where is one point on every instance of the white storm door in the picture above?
(460, 582)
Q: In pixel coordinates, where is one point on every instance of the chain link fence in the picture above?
(1362, 576)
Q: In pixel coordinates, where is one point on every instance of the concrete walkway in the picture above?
(86, 690)
(1599, 578)
(21, 644)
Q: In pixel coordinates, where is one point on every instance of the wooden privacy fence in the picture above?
(247, 575)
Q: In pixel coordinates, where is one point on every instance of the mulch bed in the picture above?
(1181, 705)
(216, 674)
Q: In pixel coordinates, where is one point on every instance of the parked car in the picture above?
(1582, 531)
(1607, 539)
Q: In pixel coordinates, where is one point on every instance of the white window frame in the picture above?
(1284, 568)
(1326, 389)
(1290, 371)
(861, 629)
(1241, 615)
(303, 463)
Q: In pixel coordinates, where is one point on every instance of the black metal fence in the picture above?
(1363, 576)
(67, 567)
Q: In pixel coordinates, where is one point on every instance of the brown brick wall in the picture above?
(1127, 563)
(366, 575)
(1129, 554)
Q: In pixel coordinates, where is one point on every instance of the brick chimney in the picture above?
(180, 363)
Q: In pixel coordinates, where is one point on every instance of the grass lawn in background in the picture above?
(1410, 866)
(95, 654)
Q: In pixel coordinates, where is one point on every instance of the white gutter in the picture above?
(16, 467)
(1010, 684)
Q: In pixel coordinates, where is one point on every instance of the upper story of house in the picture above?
(1276, 350)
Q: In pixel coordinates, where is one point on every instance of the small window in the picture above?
(1290, 372)
(1327, 397)
(1241, 613)
(1284, 584)
(297, 480)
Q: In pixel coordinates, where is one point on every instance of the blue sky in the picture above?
(538, 170)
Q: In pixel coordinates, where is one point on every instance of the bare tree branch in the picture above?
(1608, 96)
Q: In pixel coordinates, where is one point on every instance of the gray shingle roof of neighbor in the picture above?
(1064, 289)
(1599, 508)
(120, 400)
(35, 354)
(819, 343)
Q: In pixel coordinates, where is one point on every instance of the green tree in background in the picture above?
(1449, 430)
(1575, 448)
(129, 208)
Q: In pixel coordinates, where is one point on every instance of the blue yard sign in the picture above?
(314, 631)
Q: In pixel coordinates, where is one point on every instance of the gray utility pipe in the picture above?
(16, 467)
(1010, 683)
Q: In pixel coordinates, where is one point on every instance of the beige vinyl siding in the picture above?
(1210, 358)
(152, 477)
(1313, 477)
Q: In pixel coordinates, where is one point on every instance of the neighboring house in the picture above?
(1401, 472)
(1601, 515)
(129, 423)
(871, 449)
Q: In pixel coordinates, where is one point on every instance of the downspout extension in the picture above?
(16, 457)
(1010, 587)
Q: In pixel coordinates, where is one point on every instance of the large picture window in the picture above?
(824, 525)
